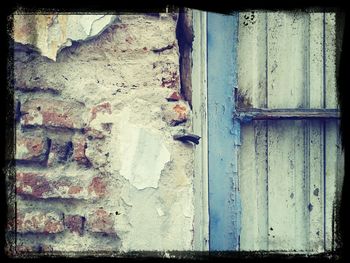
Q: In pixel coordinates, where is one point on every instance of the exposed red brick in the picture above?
(52, 226)
(79, 146)
(175, 96)
(98, 186)
(67, 187)
(101, 221)
(23, 249)
(172, 81)
(39, 222)
(75, 223)
(31, 147)
(175, 114)
(32, 184)
(52, 113)
(181, 111)
(74, 190)
(43, 186)
(104, 107)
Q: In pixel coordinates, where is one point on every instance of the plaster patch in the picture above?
(143, 154)
(55, 32)
(160, 211)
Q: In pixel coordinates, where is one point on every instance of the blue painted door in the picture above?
(223, 133)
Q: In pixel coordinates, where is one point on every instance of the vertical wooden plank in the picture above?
(331, 129)
(329, 61)
(253, 186)
(224, 203)
(200, 127)
(286, 190)
(251, 58)
(316, 60)
(261, 151)
(316, 190)
(286, 180)
(249, 189)
(286, 54)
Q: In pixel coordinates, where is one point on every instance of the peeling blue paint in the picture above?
(223, 133)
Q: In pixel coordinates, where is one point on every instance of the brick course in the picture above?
(39, 222)
(52, 113)
(40, 185)
(31, 147)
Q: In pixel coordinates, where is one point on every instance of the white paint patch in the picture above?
(143, 154)
(160, 211)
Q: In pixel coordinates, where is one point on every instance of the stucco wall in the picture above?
(97, 168)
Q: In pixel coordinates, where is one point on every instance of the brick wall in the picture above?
(97, 168)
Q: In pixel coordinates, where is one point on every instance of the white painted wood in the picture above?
(316, 189)
(286, 81)
(286, 191)
(285, 57)
(316, 192)
(316, 60)
(296, 195)
(253, 186)
(249, 191)
(330, 49)
(200, 127)
(251, 57)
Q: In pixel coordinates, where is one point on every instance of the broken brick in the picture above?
(100, 121)
(24, 249)
(100, 221)
(74, 223)
(52, 113)
(171, 81)
(31, 147)
(32, 184)
(104, 107)
(175, 96)
(98, 186)
(39, 222)
(79, 146)
(175, 114)
(44, 186)
(181, 111)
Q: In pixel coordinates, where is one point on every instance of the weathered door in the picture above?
(275, 159)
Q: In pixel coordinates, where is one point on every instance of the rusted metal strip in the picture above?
(247, 115)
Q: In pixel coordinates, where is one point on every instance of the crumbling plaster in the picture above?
(151, 174)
